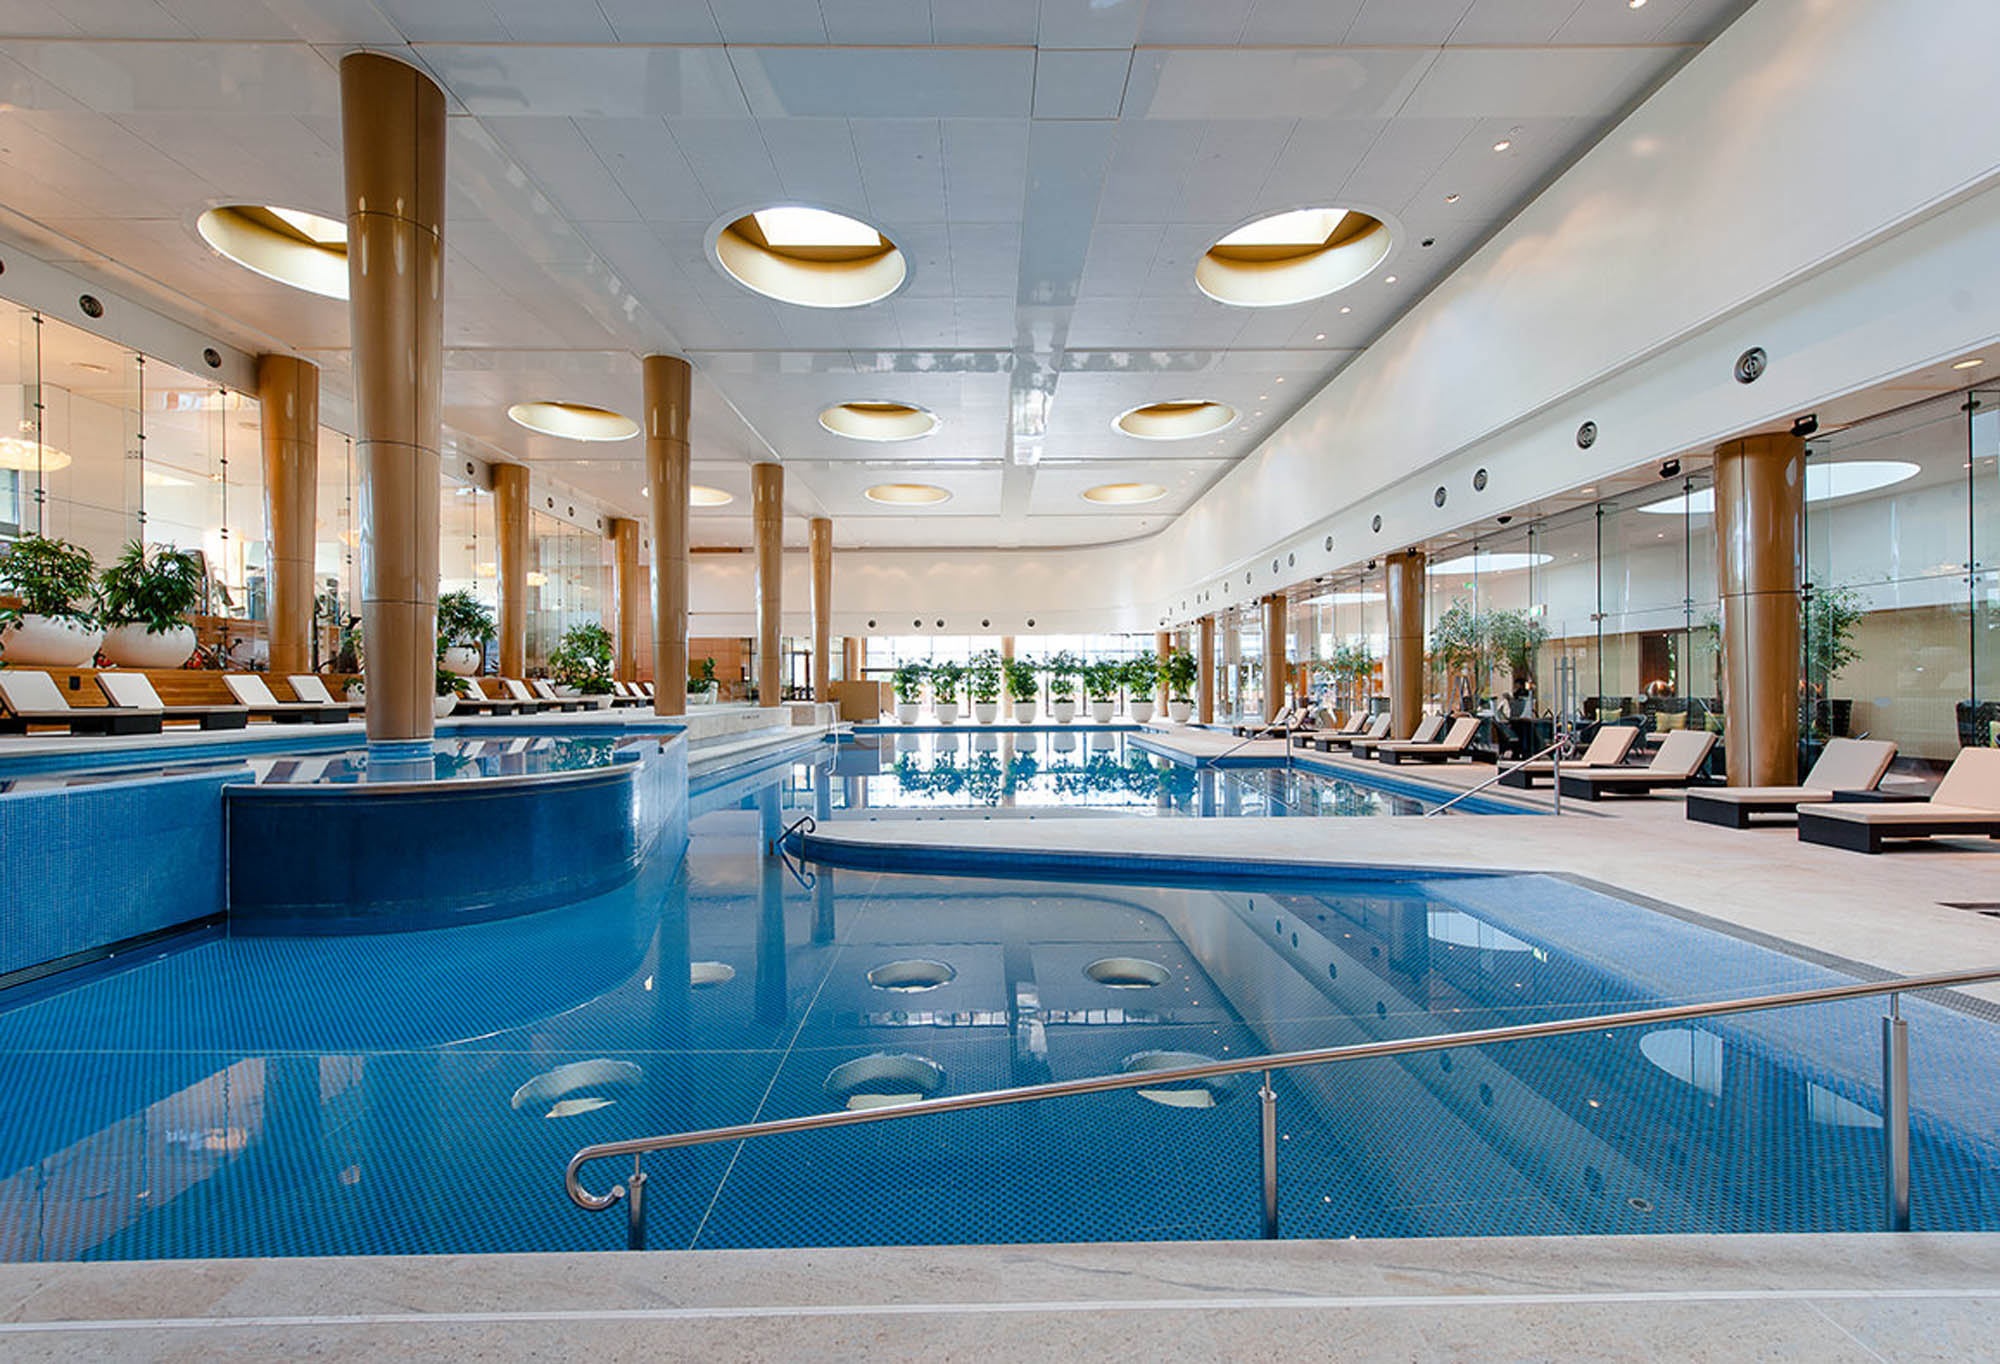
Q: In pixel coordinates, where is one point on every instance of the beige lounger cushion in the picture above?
(1677, 760)
(30, 691)
(1609, 746)
(307, 687)
(1851, 765)
(1462, 730)
(1768, 795)
(517, 690)
(130, 689)
(250, 690)
(1970, 792)
(1427, 731)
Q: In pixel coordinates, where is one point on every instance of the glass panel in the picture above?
(1983, 429)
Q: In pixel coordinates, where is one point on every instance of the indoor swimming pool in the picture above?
(420, 1092)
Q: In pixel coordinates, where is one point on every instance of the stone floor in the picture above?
(1825, 1299)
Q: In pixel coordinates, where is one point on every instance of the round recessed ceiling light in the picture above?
(879, 421)
(301, 249)
(1292, 257)
(700, 496)
(1124, 494)
(906, 494)
(1824, 482)
(573, 421)
(810, 257)
(1179, 419)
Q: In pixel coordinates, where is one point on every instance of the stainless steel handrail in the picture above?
(1558, 748)
(1896, 1142)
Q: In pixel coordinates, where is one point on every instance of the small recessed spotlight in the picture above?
(1503, 144)
(1635, 4)
(1451, 198)
(1388, 279)
(1973, 363)
(1279, 380)
(1321, 336)
(1346, 308)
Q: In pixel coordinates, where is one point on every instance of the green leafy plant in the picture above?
(1181, 676)
(908, 682)
(1141, 676)
(983, 678)
(447, 682)
(50, 577)
(1459, 648)
(463, 623)
(1101, 679)
(1516, 638)
(705, 681)
(582, 659)
(947, 679)
(1022, 678)
(156, 592)
(1063, 669)
(1831, 616)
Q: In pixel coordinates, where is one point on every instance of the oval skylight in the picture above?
(1124, 494)
(879, 421)
(1127, 973)
(810, 257)
(906, 494)
(1180, 419)
(912, 975)
(700, 495)
(1824, 483)
(291, 246)
(573, 421)
(1499, 561)
(1292, 257)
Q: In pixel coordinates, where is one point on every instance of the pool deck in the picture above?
(1827, 1299)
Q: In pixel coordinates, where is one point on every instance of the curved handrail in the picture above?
(1098, 1084)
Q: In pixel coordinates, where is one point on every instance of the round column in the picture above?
(1205, 673)
(1403, 582)
(767, 509)
(288, 414)
(1163, 646)
(510, 515)
(623, 532)
(392, 143)
(820, 538)
(668, 380)
(1277, 671)
(1759, 493)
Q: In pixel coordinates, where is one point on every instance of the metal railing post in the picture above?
(1895, 1118)
(635, 1209)
(1267, 1100)
(1556, 772)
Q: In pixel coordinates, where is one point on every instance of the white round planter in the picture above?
(133, 646)
(599, 702)
(947, 712)
(1024, 712)
(702, 698)
(1142, 712)
(461, 659)
(442, 706)
(1100, 711)
(1064, 711)
(49, 642)
(986, 712)
(1180, 711)
(906, 712)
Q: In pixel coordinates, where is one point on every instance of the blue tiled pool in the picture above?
(421, 1091)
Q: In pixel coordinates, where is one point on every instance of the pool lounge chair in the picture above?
(530, 704)
(1356, 721)
(250, 690)
(626, 694)
(1378, 728)
(1607, 748)
(134, 691)
(1281, 723)
(473, 700)
(1457, 743)
(33, 698)
(310, 687)
(1966, 803)
(1673, 768)
(1844, 765)
(546, 691)
(645, 687)
(1426, 732)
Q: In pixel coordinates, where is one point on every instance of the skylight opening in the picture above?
(792, 227)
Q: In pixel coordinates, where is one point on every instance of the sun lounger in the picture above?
(627, 695)
(1673, 767)
(1457, 743)
(1966, 803)
(250, 690)
(546, 693)
(135, 691)
(1357, 720)
(473, 700)
(1844, 765)
(1280, 723)
(1607, 748)
(311, 687)
(1426, 732)
(647, 688)
(33, 698)
(530, 704)
(1378, 728)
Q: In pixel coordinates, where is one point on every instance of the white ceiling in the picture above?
(1053, 169)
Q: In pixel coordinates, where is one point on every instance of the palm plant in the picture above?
(462, 622)
(158, 592)
(50, 577)
(582, 659)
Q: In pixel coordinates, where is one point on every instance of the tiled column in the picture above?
(392, 141)
(820, 538)
(1205, 671)
(767, 510)
(1759, 491)
(510, 514)
(631, 594)
(1277, 672)
(288, 412)
(1403, 581)
(665, 422)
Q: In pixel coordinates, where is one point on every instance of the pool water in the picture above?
(449, 760)
(420, 1092)
(1046, 771)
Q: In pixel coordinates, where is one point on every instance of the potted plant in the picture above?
(48, 629)
(581, 663)
(1062, 670)
(946, 681)
(1142, 679)
(1831, 615)
(445, 700)
(1180, 686)
(1100, 682)
(1354, 664)
(1022, 686)
(1459, 650)
(983, 681)
(908, 683)
(703, 686)
(146, 602)
(464, 629)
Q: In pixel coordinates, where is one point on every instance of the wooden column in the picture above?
(392, 142)
(1403, 580)
(767, 510)
(629, 594)
(1277, 672)
(1205, 670)
(668, 379)
(819, 533)
(288, 413)
(1163, 646)
(1759, 491)
(853, 656)
(510, 515)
